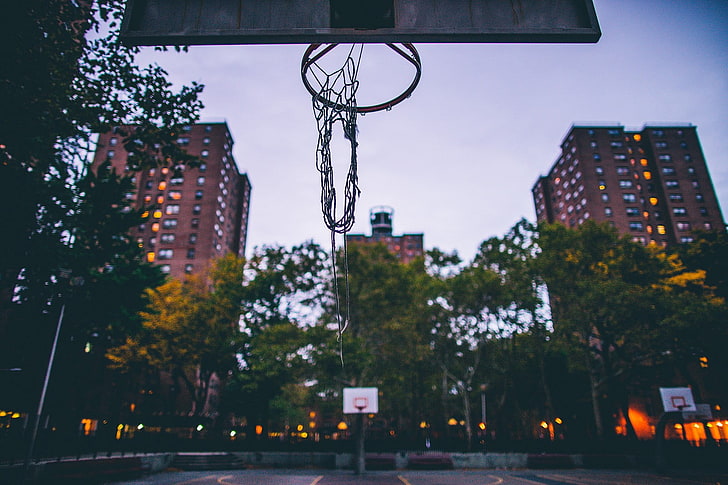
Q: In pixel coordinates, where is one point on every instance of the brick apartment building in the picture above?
(406, 247)
(652, 184)
(197, 214)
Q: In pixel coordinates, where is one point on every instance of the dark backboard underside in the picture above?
(203, 22)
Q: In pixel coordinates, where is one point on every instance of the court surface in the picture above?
(403, 477)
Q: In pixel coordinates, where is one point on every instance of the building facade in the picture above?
(406, 247)
(195, 214)
(652, 184)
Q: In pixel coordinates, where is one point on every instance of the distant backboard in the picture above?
(677, 399)
(361, 400)
(203, 22)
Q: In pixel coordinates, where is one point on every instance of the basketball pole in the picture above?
(359, 454)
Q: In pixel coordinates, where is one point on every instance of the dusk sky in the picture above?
(457, 160)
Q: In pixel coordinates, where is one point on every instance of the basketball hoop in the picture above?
(315, 52)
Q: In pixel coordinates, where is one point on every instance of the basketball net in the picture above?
(335, 102)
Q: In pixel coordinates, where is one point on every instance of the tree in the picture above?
(190, 332)
(619, 306)
(65, 77)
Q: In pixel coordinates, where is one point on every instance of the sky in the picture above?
(457, 160)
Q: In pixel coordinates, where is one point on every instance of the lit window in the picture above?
(157, 214)
(647, 174)
(602, 185)
(200, 180)
(202, 167)
(661, 229)
(198, 194)
(699, 197)
(676, 197)
(654, 200)
(150, 256)
(174, 195)
(629, 197)
(605, 197)
(633, 211)
(147, 198)
(708, 226)
(155, 227)
(636, 226)
(625, 184)
(165, 268)
(160, 199)
(649, 229)
(683, 226)
(188, 268)
(145, 215)
(196, 209)
(177, 180)
(622, 170)
(661, 144)
(608, 211)
(599, 170)
(167, 238)
(206, 141)
(672, 184)
(637, 137)
(643, 162)
(193, 238)
(166, 253)
(686, 239)
(204, 153)
(679, 211)
(169, 223)
(172, 209)
(665, 157)
(113, 141)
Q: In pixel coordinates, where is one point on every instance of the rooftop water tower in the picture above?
(381, 220)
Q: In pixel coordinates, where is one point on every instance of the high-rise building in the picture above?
(652, 184)
(406, 247)
(196, 214)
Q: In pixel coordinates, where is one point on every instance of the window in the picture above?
(691, 170)
(157, 214)
(616, 144)
(659, 133)
(633, 211)
(661, 144)
(191, 253)
(605, 197)
(703, 211)
(165, 268)
(613, 132)
(708, 226)
(665, 157)
(174, 195)
(198, 194)
(206, 140)
(679, 211)
(675, 197)
(686, 239)
(167, 238)
(188, 268)
(683, 226)
(620, 156)
(629, 197)
(110, 154)
(193, 238)
(151, 257)
(205, 153)
(196, 209)
(183, 141)
(622, 170)
(172, 209)
(597, 157)
(625, 184)
(683, 145)
(599, 170)
(602, 185)
(202, 167)
(647, 175)
(169, 223)
(688, 158)
(696, 184)
(672, 184)
(177, 180)
(166, 254)
(113, 141)
(699, 197)
(636, 226)
(195, 223)
(661, 229)
(208, 128)
(608, 211)
(200, 180)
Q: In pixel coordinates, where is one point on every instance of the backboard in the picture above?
(210, 22)
(361, 400)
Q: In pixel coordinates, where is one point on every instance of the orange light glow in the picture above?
(647, 174)
(151, 256)
(637, 137)
(643, 162)
(162, 185)
(653, 200)
(157, 214)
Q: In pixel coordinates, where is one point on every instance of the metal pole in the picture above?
(360, 455)
(41, 402)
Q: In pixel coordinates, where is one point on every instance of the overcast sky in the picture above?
(457, 160)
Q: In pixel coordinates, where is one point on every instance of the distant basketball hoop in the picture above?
(361, 400)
